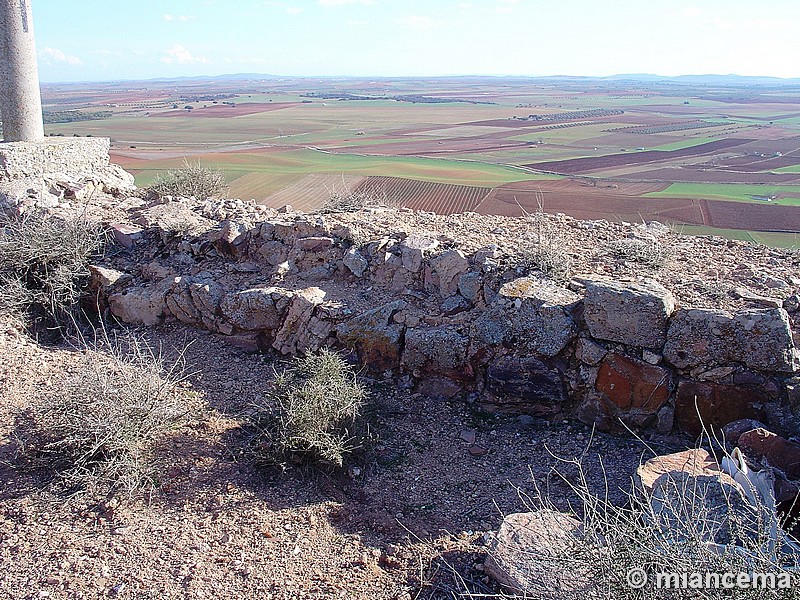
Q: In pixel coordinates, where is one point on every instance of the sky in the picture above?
(99, 40)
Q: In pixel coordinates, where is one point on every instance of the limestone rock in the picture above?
(633, 385)
(374, 336)
(449, 267)
(104, 277)
(140, 305)
(298, 333)
(630, 313)
(355, 261)
(436, 350)
(470, 286)
(589, 352)
(256, 308)
(532, 554)
(414, 249)
(759, 338)
(540, 320)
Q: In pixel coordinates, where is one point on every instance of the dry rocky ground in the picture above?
(407, 519)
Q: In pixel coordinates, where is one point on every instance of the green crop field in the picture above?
(738, 192)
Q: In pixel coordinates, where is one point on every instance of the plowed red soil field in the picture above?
(442, 198)
(609, 161)
(594, 204)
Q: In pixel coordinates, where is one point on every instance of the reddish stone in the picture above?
(126, 234)
(632, 384)
(775, 450)
(716, 404)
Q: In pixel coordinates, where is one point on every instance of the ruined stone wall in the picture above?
(611, 353)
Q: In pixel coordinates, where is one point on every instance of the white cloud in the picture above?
(294, 10)
(344, 2)
(183, 18)
(416, 22)
(56, 55)
(691, 11)
(180, 55)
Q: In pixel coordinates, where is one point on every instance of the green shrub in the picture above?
(312, 413)
(44, 265)
(99, 428)
(192, 179)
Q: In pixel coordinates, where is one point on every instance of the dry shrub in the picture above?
(345, 201)
(192, 179)
(99, 429)
(648, 251)
(312, 413)
(44, 265)
(542, 248)
(695, 526)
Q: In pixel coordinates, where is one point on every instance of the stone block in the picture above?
(633, 385)
(760, 338)
(629, 313)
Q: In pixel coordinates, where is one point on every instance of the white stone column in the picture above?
(20, 97)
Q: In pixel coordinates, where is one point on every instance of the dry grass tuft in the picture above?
(648, 252)
(99, 429)
(44, 265)
(345, 201)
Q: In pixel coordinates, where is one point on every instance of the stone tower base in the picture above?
(42, 174)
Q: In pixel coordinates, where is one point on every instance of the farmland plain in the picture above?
(709, 157)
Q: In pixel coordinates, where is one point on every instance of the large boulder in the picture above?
(449, 267)
(540, 315)
(374, 335)
(761, 338)
(414, 249)
(690, 497)
(142, 305)
(533, 555)
(629, 313)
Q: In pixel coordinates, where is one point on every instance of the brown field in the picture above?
(312, 191)
(222, 111)
(582, 165)
(592, 205)
(442, 198)
(433, 147)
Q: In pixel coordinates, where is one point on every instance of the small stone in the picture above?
(477, 450)
(468, 435)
